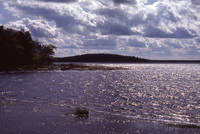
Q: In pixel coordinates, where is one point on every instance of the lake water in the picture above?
(141, 99)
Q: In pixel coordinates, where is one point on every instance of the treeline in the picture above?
(17, 48)
(114, 58)
(102, 58)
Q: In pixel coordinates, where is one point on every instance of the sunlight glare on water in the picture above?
(166, 93)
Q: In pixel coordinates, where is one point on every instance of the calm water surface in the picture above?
(146, 98)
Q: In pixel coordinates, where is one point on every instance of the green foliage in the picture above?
(17, 48)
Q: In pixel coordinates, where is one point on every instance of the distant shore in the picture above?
(70, 63)
(61, 67)
(114, 58)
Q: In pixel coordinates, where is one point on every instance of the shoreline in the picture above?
(62, 66)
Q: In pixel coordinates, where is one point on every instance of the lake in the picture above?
(141, 99)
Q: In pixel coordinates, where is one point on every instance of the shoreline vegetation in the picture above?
(61, 67)
(19, 52)
(114, 58)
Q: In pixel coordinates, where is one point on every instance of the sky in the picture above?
(153, 29)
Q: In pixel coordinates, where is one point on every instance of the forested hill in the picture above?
(113, 58)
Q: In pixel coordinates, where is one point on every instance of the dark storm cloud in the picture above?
(59, 1)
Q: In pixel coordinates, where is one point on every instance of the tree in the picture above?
(46, 53)
(17, 48)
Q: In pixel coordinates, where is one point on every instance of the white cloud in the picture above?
(38, 28)
(160, 19)
(147, 28)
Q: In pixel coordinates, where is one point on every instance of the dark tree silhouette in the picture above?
(17, 48)
(102, 58)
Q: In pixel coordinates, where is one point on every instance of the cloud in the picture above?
(109, 28)
(160, 20)
(100, 43)
(59, 1)
(125, 1)
(73, 19)
(193, 51)
(136, 43)
(70, 18)
(164, 20)
(116, 22)
(195, 2)
(1, 17)
(142, 27)
(177, 33)
(173, 44)
(197, 40)
(38, 28)
(112, 13)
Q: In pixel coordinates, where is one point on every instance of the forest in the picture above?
(17, 49)
(102, 57)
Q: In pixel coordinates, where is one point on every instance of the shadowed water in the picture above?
(146, 98)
